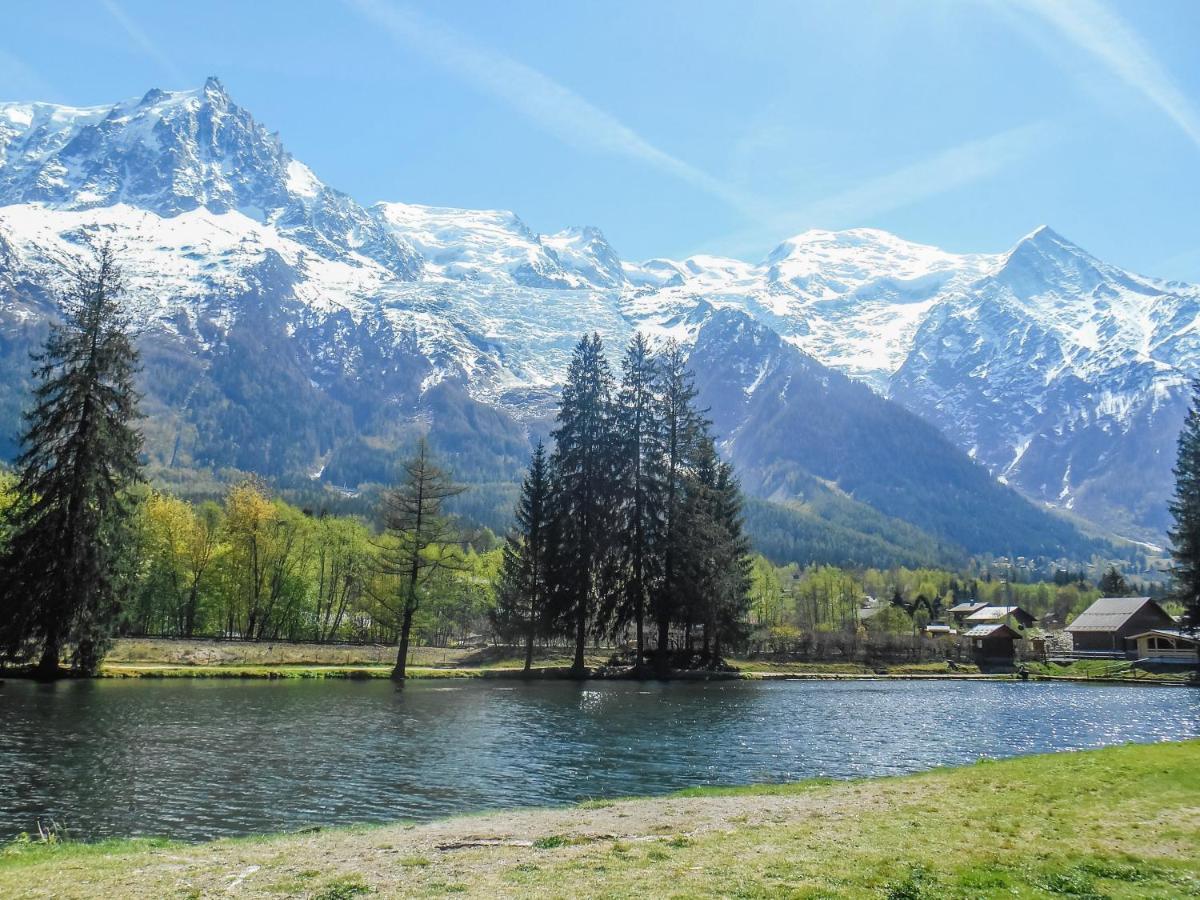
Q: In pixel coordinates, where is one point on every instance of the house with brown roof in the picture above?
(993, 643)
(1111, 624)
(960, 611)
(1013, 616)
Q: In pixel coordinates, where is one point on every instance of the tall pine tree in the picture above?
(521, 601)
(59, 579)
(641, 483)
(583, 473)
(1185, 507)
(682, 429)
(419, 541)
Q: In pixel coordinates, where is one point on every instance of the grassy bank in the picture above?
(172, 658)
(1120, 822)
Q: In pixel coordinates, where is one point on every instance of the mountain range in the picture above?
(876, 394)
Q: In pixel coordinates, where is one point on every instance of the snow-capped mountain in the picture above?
(291, 330)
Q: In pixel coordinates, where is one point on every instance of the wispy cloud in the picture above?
(944, 171)
(938, 173)
(542, 100)
(21, 82)
(144, 43)
(1095, 28)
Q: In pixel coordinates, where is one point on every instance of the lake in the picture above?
(197, 759)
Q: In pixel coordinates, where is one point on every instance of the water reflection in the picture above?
(197, 759)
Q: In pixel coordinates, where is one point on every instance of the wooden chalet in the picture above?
(1013, 616)
(993, 643)
(1110, 625)
(1168, 646)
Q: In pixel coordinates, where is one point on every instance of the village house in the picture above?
(1168, 646)
(1013, 616)
(1109, 626)
(993, 644)
(960, 611)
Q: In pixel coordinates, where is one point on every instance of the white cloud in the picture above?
(1095, 28)
(144, 43)
(551, 106)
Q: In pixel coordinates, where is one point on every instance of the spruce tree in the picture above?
(1113, 583)
(60, 575)
(1185, 508)
(581, 568)
(521, 600)
(731, 587)
(420, 541)
(682, 429)
(641, 482)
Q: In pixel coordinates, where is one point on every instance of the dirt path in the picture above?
(399, 860)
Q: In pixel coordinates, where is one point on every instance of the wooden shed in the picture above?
(1169, 646)
(1109, 625)
(994, 643)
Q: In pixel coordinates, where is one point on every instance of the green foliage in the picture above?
(63, 569)
(1185, 508)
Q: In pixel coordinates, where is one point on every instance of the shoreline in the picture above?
(168, 671)
(946, 832)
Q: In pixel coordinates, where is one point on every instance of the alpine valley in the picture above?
(883, 401)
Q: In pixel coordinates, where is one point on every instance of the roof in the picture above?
(867, 611)
(999, 629)
(1109, 613)
(940, 629)
(1174, 633)
(991, 613)
(967, 606)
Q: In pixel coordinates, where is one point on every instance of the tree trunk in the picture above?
(578, 669)
(662, 657)
(47, 667)
(398, 673)
(528, 651)
(640, 664)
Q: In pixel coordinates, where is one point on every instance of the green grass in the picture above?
(1110, 669)
(786, 667)
(1123, 822)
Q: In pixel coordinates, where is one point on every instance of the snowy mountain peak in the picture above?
(585, 251)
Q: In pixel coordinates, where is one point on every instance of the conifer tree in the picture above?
(581, 559)
(731, 587)
(641, 482)
(1113, 583)
(60, 575)
(420, 541)
(1185, 508)
(682, 428)
(521, 600)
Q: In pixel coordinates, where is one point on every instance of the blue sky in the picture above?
(697, 126)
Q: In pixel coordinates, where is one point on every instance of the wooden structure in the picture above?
(993, 644)
(1169, 646)
(1013, 616)
(960, 611)
(1109, 625)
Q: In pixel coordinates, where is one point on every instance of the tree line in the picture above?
(631, 519)
(631, 523)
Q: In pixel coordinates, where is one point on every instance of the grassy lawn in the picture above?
(1111, 669)
(851, 668)
(1122, 822)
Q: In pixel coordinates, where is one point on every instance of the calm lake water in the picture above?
(199, 759)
